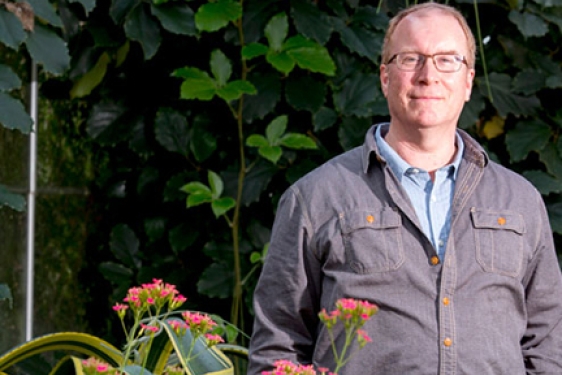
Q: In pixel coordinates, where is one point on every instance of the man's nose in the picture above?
(427, 71)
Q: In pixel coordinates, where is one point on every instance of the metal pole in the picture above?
(31, 206)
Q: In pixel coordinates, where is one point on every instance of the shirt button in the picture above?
(434, 260)
(441, 243)
(370, 218)
(447, 342)
(501, 220)
(446, 301)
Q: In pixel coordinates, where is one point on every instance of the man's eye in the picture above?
(446, 60)
(410, 59)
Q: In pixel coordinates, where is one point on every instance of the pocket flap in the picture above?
(381, 219)
(501, 220)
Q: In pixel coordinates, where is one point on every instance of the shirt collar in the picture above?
(399, 166)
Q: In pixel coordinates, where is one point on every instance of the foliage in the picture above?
(158, 342)
(232, 101)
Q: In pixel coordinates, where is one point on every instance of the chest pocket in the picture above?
(372, 240)
(499, 240)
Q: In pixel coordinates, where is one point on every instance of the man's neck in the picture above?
(428, 149)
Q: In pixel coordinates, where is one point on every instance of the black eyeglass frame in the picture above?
(462, 60)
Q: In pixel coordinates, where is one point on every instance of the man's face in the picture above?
(426, 97)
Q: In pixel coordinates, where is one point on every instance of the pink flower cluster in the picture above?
(156, 294)
(285, 367)
(93, 366)
(350, 311)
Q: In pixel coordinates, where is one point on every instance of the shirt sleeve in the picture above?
(286, 297)
(542, 342)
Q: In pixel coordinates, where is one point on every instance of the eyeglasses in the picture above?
(412, 61)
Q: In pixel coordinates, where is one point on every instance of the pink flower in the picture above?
(213, 339)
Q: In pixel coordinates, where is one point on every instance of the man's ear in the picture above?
(469, 82)
(384, 79)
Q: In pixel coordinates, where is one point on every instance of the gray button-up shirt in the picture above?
(493, 306)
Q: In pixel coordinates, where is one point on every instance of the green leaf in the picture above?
(268, 87)
(198, 198)
(276, 129)
(196, 187)
(13, 115)
(276, 31)
(12, 200)
(358, 95)
(214, 16)
(216, 184)
(43, 9)
(505, 100)
(124, 244)
(470, 114)
(324, 119)
(197, 84)
(253, 50)
(352, 131)
(87, 4)
(141, 27)
(116, 273)
(136, 370)
(48, 49)
(550, 156)
(181, 237)
(216, 281)
(555, 216)
(155, 228)
(82, 343)
(222, 205)
(171, 131)
(203, 143)
(235, 89)
(220, 67)
(528, 24)
(310, 21)
(359, 40)
(120, 8)
(256, 181)
(544, 182)
(298, 141)
(257, 140)
(106, 123)
(92, 79)
(281, 61)
(529, 81)
(148, 177)
(305, 93)
(271, 153)
(529, 135)
(316, 60)
(176, 18)
(11, 29)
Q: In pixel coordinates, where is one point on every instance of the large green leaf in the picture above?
(529, 81)
(555, 216)
(310, 21)
(271, 153)
(9, 199)
(106, 123)
(281, 61)
(220, 67)
(470, 114)
(325, 118)
(268, 88)
(92, 79)
(48, 49)
(216, 15)
(358, 95)
(124, 244)
(45, 10)
(298, 141)
(310, 55)
(360, 40)
(255, 183)
(352, 131)
(13, 115)
(181, 237)
(215, 183)
(528, 24)
(544, 182)
(550, 156)
(528, 135)
(116, 273)
(235, 89)
(216, 281)
(305, 93)
(253, 50)
(171, 131)
(222, 205)
(141, 27)
(120, 8)
(276, 129)
(67, 341)
(197, 84)
(276, 31)
(177, 18)
(505, 100)
(11, 29)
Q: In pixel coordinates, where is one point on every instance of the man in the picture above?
(454, 249)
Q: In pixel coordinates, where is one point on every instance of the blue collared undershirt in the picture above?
(431, 199)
